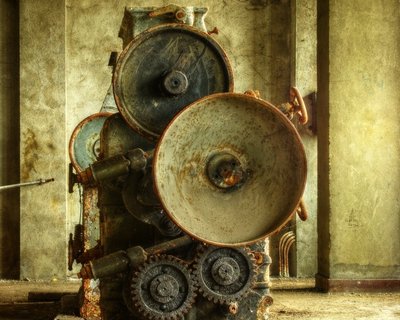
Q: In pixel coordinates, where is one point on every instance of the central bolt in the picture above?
(225, 171)
(175, 82)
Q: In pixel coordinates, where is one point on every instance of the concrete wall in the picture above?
(359, 145)
(65, 48)
(9, 139)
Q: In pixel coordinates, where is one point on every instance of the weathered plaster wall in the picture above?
(43, 138)
(359, 132)
(9, 139)
(65, 49)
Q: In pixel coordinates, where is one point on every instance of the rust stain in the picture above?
(51, 146)
(90, 308)
(30, 154)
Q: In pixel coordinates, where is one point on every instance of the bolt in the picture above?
(213, 31)
(180, 15)
(233, 308)
(163, 307)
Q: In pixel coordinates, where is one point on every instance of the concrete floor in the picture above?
(293, 299)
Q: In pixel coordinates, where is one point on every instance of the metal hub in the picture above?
(225, 271)
(163, 288)
(175, 82)
(225, 171)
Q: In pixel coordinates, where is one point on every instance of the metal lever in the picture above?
(25, 184)
(179, 13)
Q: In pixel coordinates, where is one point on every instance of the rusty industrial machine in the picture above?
(182, 180)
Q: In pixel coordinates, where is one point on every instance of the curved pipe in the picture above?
(286, 256)
(281, 251)
(282, 246)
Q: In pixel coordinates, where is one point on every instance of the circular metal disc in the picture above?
(165, 69)
(84, 144)
(266, 145)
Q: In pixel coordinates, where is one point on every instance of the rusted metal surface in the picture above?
(91, 254)
(137, 20)
(310, 102)
(192, 16)
(266, 144)
(154, 62)
(84, 144)
(90, 307)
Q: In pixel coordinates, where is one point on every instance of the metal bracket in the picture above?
(310, 101)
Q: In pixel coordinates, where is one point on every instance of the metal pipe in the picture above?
(282, 243)
(25, 184)
(289, 243)
(169, 245)
(121, 260)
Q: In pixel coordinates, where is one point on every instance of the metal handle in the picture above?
(302, 211)
(300, 106)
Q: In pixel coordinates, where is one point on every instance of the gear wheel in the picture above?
(224, 275)
(163, 288)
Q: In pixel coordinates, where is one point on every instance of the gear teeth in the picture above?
(143, 307)
(201, 258)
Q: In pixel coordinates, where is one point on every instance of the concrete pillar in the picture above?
(43, 139)
(304, 77)
(358, 144)
(9, 139)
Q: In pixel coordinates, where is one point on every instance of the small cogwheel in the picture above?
(163, 288)
(224, 275)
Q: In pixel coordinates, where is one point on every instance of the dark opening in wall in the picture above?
(9, 139)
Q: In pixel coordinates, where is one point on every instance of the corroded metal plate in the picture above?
(269, 151)
(165, 69)
(84, 144)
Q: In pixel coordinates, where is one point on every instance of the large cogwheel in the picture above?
(163, 288)
(224, 275)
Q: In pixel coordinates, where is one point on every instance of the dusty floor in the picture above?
(297, 299)
(293, 299)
